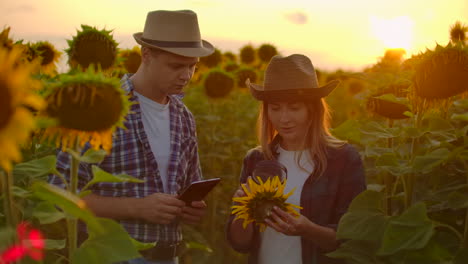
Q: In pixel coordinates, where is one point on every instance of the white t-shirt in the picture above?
(275, 247)
(155, 118)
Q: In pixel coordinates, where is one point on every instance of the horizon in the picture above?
(335, 35)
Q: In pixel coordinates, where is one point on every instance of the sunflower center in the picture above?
(263, 209)
(95, 49)
(86, 107)
(6, 108)
(47, 54)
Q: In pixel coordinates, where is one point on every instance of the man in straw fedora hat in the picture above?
(159, 145)
(326, 173)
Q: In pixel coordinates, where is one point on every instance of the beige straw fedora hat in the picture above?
(174, 31)
(290, 78)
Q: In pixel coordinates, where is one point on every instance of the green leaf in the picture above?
(365, 219)
(432, 253)
(68, 202)
(47, 213)
(199, 246)
(367, 201)
(348, 130)
(458, 200)
(7, 236)
(392, 98)
(35, 168)
(411, 230)
(373, 151)
(413, 132)
(90, 156)
(439, 124)
(84, 193)
(426, 163)
(109, 245)
(101, 176)
(20, 192)
(359, 252)
(376, 129)
(460, 117)
(54, 244)
(140, 245)
(461, 256)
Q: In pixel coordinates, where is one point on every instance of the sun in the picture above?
(394, 33)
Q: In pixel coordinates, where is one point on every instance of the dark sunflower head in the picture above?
(49, 55)
(355, 86)
(390, 102)
(231, 67)
(131, 59)
(218, 83)
(458, 32)
(266, 52)
(86, 102)
(6, 103)
(441, 73)
(92, 47)
(229, 56)
(87, 107)
(247, 54)
(212, 60)
(243, 74)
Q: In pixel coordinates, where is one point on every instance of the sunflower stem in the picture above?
(7, 186)
(388, 179)
(72, 222)
(465, 231)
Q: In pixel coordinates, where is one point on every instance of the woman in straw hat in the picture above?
(325, 172)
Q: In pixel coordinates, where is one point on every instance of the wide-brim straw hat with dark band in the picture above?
(290, 78)
(174, 31)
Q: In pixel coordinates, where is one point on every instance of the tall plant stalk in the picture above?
(411, 177)
(388, 179)
(465, 231)
(72, 187)
(8, 201)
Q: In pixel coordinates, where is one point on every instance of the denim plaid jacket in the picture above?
(324, 201)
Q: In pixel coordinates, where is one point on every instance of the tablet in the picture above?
(197, 190)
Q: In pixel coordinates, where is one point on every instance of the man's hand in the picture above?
(159, 208)
(194, 213)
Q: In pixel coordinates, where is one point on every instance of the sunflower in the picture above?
(49, 56)
(260, 198)
(16, 98)
(92, 47)
(5, 40)
(131, 59)
(87, 107)
(439, 75)
(218, 83)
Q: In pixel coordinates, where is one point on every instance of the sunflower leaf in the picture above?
(100, 175)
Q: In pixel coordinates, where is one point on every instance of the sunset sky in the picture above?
(346, 34)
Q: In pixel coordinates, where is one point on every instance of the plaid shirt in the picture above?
(131, 154)
(324, 201)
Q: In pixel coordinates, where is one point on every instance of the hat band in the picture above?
(173, 44)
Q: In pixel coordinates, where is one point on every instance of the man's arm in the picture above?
(158, 208)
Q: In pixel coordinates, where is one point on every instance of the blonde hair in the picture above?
(318, 137)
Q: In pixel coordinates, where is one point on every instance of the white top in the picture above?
(275, 247)
(155, 118)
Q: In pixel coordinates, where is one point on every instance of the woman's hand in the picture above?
(288, 224)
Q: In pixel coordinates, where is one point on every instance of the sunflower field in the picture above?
(407, 117)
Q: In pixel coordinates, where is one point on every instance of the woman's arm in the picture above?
(283, 222)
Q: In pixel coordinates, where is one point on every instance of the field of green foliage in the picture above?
(407, 117)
